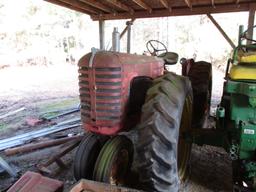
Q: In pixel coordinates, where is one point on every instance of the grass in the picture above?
(2, 126)
(58, 106)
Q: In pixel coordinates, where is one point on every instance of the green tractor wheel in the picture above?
(86, 155)
(114, 161)
(162, 152)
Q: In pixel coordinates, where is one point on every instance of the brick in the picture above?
(35, 182)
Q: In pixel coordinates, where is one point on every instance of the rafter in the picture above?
(166, 4)
(78, 4)
(97, 5)
(189, 4)
(221, 31)
(121, 6)
(143, 5)
(177, 12)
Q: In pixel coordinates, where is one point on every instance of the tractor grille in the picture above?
(100, 95)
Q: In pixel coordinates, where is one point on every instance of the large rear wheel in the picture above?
(200, 76)
(163, 155)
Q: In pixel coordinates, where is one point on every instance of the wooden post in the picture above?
(221, 31)
(128, 23)
(102, 34)
(250, 24)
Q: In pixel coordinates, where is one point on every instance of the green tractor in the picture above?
(236, 116)
(141, 120)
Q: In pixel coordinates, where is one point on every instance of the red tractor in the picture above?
(135, 113)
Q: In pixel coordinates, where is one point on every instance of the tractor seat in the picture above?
(247, 58)
(170, 58)
(243, 72)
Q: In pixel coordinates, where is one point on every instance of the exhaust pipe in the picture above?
(116, 40)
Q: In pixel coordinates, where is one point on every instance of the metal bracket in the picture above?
(94, 51)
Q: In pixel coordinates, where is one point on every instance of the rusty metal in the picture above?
(21, 139)
(40, 145)
(124, 31)
(104, 87)
(8, 168)
(35, 182)
(93, 186)
(57, 158)
(186, 66)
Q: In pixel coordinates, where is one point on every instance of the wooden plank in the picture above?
(80, 5)
(251, 18)
(68, 6)
(40, 145)
(121, 6)
(88, 185)
(2, 116)
(221, 31)
(97, 5)
(165, 3)
(177, 12)
(143, 5)
(189, 4)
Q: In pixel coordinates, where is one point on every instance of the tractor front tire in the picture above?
(114, 161)
(86, 155)
(168, 103)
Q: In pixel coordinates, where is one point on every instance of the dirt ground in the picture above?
(42, 89)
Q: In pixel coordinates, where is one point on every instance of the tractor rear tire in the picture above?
(167, 101)
(200, 76)
(86, 155)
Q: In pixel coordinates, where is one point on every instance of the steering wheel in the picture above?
(152, 47)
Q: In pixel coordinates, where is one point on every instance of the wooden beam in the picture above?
(78, 4)
(165, 3)
(126, 28)
(68, 6)
(213, 3)
(189, 4)
(251, 18)
(121, 6)
(221, 31)
(143, 5)
(97, 5)
(102, 34)
(225, 8)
